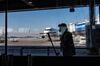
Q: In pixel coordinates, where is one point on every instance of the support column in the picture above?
(93, 50)
(5, 55)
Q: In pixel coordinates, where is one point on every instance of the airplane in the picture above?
(53, 32)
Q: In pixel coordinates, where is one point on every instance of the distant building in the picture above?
(71, 27)
(97, 20)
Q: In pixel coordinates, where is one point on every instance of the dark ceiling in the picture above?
(20, 5)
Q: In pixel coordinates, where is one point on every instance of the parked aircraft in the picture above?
(53, 32)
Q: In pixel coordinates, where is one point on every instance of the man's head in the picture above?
(62, 27)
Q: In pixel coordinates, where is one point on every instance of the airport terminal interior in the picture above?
(29, 30)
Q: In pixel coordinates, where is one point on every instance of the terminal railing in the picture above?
(29, 50)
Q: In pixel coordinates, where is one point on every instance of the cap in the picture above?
(62, 24)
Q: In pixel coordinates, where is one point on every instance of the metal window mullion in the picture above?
(99, 13)
(6, 20)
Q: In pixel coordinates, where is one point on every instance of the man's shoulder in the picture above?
(68, 33)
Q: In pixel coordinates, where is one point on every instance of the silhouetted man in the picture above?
(66, 38)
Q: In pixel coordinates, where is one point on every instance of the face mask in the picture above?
(62, 30)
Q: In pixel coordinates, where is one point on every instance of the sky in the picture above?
(38, 20)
